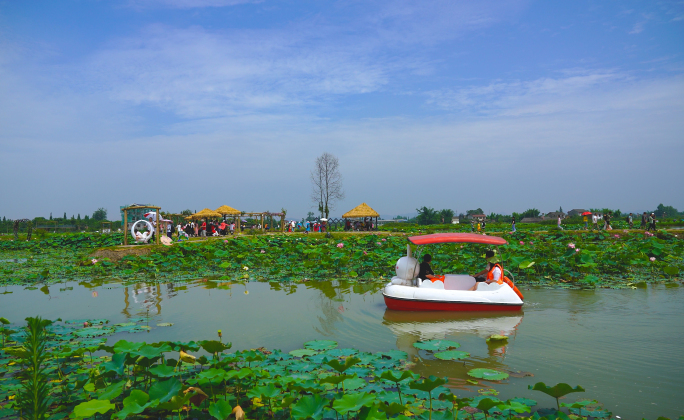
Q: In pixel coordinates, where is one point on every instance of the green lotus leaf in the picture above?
(395, 377)
(112, 391)
(116, 364)
(353, 402)
(303, 352)
(528, 402)
(557, 390)
(94, 332)
(309, 406)
(151, 351)
(135, 403)
(4, 321)
(486, 404)
(92, 407)
(220, 410)
(214, 346)
(374, 413)
(264, 392)
(125, 324)
(165, 390)
(163, 371)
(353, 384)
(335, 379)
(123, 346)
(671, 271)
(428, 384)
(496, 337)
(393, 354)
(436, 345)
(320, 345)
(392, 409)
(452, 355)
(341, 367)
(488, 374)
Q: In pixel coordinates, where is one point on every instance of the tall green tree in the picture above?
(446, 215)
(100, 214)
(427, 216)
(665, 211)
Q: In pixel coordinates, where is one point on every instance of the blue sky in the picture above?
(503, 105)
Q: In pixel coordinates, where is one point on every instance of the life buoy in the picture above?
(142, 237)
(512, 286)
(438, 278)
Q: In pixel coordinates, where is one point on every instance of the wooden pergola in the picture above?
(158, 211)
(363, 210)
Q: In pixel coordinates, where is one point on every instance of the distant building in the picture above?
(455, 220)
(576, 212)
(555, 215)
(477, 217)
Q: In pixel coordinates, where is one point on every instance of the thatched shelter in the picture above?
(228, 210)
(362, 211)
(206, 214)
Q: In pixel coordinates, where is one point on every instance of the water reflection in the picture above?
(411, 327)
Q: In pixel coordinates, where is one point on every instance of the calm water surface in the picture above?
(623, 346)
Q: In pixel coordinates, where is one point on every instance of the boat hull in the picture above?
(404, 304)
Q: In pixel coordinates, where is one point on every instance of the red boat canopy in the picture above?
(441, 238)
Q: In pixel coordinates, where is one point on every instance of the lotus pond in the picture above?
(623, 347)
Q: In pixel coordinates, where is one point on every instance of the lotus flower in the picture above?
(246, 292)
(245, 268)
(531, 243)
(94, 261)
(652, 259)
(340, 245)
(571, 245)
(522, 243)
(617, 236)
(94, 294)
(384, 240)
(225, 241)
(263, 252)
(365, 253)
(576, 249)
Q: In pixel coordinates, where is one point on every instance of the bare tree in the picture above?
(327, 183)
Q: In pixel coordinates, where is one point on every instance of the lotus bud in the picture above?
(219, 334)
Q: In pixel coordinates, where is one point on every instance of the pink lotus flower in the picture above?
(340, 245)
(263, 252)
(384, 240)
(94, 294)
(576, 249)
(617, 236)
(225, 241)
(378, 243)
(522, 243)
(85, 324)
(571, 245)
(365, 253)
(652, 259)
(94, 261)
(531, 243)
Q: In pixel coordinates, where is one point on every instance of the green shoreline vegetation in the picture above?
(65, 369)
(562, 258)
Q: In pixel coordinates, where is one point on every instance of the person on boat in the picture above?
(425, 269)
(492, 273)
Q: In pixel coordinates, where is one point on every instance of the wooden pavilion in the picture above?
(362, 211)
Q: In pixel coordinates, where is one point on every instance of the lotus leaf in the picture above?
(165, 390)
(309, 406)
(394, 354)
(428, 384)
(335, 379)
(151, 351)
(320, 345)
(556, 391)
(116, 364)
(436, 345)
(112, 391)
(372, 413)
(341, 352)
(93, 332)
(488, 374)
(352, 402)
(496, 337)
(124, 346)
(341, 367)
(135, 403)
(452, 355)
(163, 371)
(353, 384)
(264, 392)
(92, 407)
(213, 346)
(303, 352)
(220, 410)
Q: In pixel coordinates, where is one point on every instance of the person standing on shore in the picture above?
(559, 223)
(586, 222)
(630, 221)
(513, 225)
(643, 221)
(594, 221)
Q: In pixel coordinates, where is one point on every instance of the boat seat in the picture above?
(458, 282)
(428, 284)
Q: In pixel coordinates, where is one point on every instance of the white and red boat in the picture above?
(406, 292)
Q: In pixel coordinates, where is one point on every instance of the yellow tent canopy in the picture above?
(228, 210)
(362, 210)
(206, 213)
